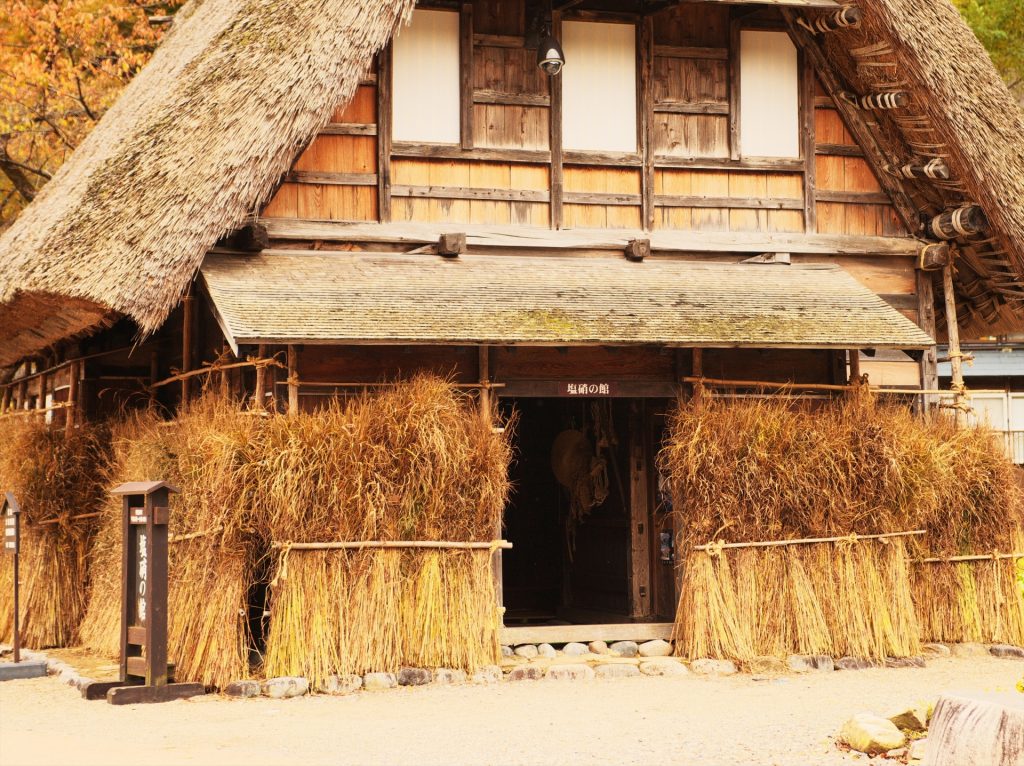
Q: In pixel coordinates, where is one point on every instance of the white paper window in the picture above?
(425, 85)
(599, 87)
(769, 95)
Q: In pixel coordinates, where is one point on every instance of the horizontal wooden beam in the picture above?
(331, 179)
(534, 237)
(690, 52)
(691, 107)
(487, 96)
(466, 192)
(564, 634)
(349, 129)
(600, 198)
(853, 197)
(454, 152)
(618, 159)
(838, 150)
(790, 3)
(740, 203)
(500, 41)
(779, 164)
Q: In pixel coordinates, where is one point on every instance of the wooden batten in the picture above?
(887, 100)
(935, 169)
(934, 256)
(451, 245)
(250, 238)
(966, 221)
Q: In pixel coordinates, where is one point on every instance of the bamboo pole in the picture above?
(487, 412)
(386, 384)
(257, 363)
(43, 411)
(807, 540)
(822, 386)
(65, 363)
(80, 516)
(440, 544)
(975, 557)
(953, 333)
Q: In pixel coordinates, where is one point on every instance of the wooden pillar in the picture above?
(926, 321)
(260, 394)
(187, 331)
(953, 331)
(466, 75)
(698, 372)
(23, 395)
(44, 381)
(645, 104)
(853, 357)
(639, 517)
(384, 135)
(807, 116)
(293, 380)
(487, 412)
(72, 408)
(555, 136)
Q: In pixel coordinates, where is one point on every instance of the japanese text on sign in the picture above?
(588, 389)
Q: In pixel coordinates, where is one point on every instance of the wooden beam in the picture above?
(384, 121)
(260, 393)
(639, 517)
(877, 159)
(487, 412)
(736, 203)
(637, 249)
(926, 321)
(953, 333)
(450, 152)
(691, 107)
(853, 197)
(464, 192)
(807, 147)
(466, 95)
(74, 373)
(697, 373)
(563, 634)
(690, 52)
(847, 17)
(837, 150)
(557, 183)
(853, 359)
(451, 245)
(348, 129)
(734, 88)
(488, 96)
(293, 380)
(250, 238)
(645, 101)
(934, 257)
(966, 221)
(757, 164)
(328, 178)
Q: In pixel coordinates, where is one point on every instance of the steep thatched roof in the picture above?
(204, 132)
(193, 145)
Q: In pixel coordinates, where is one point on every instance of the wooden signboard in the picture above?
(146, 675)
(11, 514)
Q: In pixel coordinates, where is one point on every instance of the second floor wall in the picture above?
(700, 117)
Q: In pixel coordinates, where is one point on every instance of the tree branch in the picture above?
(19, 180)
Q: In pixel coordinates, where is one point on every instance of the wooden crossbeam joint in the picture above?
(637, 249)
(451, 245)
(934, 256)
(250, 238)
(935, 169)
(894, 99)
(966, 221)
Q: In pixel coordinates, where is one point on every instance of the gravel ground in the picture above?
(646, 720)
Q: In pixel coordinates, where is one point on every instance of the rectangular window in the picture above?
(425, 86)
(769, 95)
(599, 87)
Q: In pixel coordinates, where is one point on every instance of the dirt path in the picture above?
(648, 720)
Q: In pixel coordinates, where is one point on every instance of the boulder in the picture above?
(624, 649)
(527, 651)
(904, 662)
(375, 682)
(575, 649)
(414, 677)
(546, 650)
(506, 651)
(935, 650)
(571, 672)
(343, 684)
(488, 674)
(913, 717)
(709, 667)
(808, 663)
(1005, 650)
(616, 670)
(449, 676)
(243, 689)
(871, 734)
(284, 687)
(656, 648)
(854, 663)
(598, 647)
(663, 666)
(977, 729)
(526, 673)
(969, 650)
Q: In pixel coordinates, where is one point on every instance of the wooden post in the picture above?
(384, 135)
(487, 412)
(72, 408)
(293, 380)
(466, 75)
(639, 517)
(807, 115)
(645, 105)
(853, 356)
(260, 395)
(44, 381)
(187, 330)
(698, 372)
(953, 331)
(926, 321)
(555, 135)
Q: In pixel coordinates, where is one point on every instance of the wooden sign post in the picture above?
(146, 676)
(12, 545)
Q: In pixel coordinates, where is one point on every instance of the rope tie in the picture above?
(282, 565)
(716, 549)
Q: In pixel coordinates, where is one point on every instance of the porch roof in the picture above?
(282, 296)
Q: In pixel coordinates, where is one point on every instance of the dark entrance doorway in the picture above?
(569, 513)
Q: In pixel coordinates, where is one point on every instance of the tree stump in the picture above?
(983, 729)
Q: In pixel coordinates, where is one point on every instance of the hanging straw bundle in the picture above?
(53, 476)
(415, 462)
(213, 550)
(769, 470)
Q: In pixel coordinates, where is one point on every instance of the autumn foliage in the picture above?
(62, 64)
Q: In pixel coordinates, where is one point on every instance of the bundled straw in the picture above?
(411, 462)
(762, 470)
(212, 569)
(53, 476)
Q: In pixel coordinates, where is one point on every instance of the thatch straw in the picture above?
(53, 476)
(414, 462)
(774, 470)
(210, 574)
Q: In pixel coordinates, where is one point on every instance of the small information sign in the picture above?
(587, 389)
